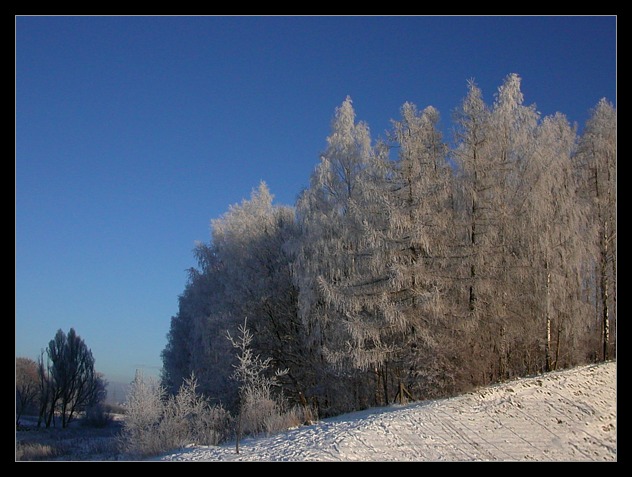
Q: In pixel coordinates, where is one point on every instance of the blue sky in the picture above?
(132, 133)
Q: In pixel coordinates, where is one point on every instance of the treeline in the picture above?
(411, 268)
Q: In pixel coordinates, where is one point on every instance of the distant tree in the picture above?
(68, 378)
(26, 387)
(45, 390)
(96, 414)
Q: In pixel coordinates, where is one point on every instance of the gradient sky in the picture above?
(132, 133)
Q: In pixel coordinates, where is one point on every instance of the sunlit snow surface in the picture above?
(568, 415)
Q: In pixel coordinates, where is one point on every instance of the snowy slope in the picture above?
(568, 415)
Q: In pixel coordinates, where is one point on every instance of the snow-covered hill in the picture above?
(569, 415)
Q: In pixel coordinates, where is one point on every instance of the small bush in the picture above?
(264, 414)
(256, 408)
(97, 416)
(154, 424)
(212, 426)
(280, 422)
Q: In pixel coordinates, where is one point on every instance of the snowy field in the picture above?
(568, 415)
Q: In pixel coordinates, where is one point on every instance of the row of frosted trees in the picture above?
(410, 269)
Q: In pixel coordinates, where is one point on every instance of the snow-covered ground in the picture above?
(569, 415)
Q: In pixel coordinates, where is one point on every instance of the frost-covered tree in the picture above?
(256, 399)
(188, 418)
(474, 185)
(492, 147)
(326, 249)
(474, 172)
(144, 408)
(250, 241)
(244, 271)
(192, 343)
(419, 228)
(389, 299)
(512, 145)
(597, 166)
(551, 223)
(322, 253)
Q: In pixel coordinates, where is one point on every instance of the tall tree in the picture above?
(512, 144)
(597, 163)
(474, 184)
(551, 223)
(326, 248)
(492, 147)
(419, 225)
(474, 170)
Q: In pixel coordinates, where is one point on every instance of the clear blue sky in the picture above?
(132, 133)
